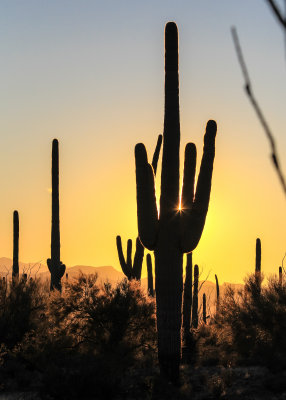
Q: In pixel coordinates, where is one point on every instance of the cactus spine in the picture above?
(204, 309)
(217, 293)
(134, 272)
(56, 267)
(15, 268)
(280, 276)
(195, 315)
(188, 294)
(172, 233)
(150, 275)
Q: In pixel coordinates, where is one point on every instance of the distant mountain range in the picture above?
(105, 273)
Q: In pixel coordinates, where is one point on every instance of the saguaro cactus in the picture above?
(217, 293)
(150, 275)
(195, 305)
(15, 268)
(188, 294)
(56, 267)
(174, 232)
(134, 272)
(280, 276)
(258, 263)
(204, 309)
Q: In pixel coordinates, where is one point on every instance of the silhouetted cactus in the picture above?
(188, 294)
(258, 263)
(15, 268)
(280, 276)
(56, 267)
(195, 315)
(150, 275)
(131, 271)
(204, 309)
(217, 293)
(172, 233)
(134, 272)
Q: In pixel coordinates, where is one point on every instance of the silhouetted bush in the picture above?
(89, 339)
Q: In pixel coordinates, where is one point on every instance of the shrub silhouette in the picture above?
(87, 342)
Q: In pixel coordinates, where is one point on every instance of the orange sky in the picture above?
(80, 74)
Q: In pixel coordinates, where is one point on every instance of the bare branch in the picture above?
(248, 89)
(277, 13)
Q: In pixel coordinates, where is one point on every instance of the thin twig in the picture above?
(248, 89)
(277, 12)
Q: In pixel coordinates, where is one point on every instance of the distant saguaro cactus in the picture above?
(188, 295)
(134, 272)
(195, 305)
(15, 268)
(56, 267)
(217, 293)
(204, 309)
(258, 263)
(280, 276)
(174, 232)
(150, 275)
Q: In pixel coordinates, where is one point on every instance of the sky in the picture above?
(91, 73)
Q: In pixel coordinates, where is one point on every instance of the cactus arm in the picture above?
(156, 154)
(192, 223)
(187, 301)
(195, 317)
(170, 175)
(189, 177)
(15, 268)
(125, 268)
(146, 199)
(150, 275)
(138, 260)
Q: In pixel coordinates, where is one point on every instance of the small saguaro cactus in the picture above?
(150, 275)
(15, 268)
(280, 276)
(258, 263)
(195, 305)
(131, 271)
(177, 230)
(217, 293)
(56, 267)
(188, 294)
(204, 309)
(134, 272)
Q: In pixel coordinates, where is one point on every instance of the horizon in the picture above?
(80, 74)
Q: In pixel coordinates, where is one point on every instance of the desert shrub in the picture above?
(250, 327)
(21, 306)
(89, 340)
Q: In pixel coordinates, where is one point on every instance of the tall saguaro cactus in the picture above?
(280, 276)
(56, 267)
(134, 271)
(204, 308)
(188, 295)
(258, 263)
(217, 293)
(15, 268)
(174, 232)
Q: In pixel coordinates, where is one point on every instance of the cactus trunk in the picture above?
(217, 293)
(280, 276)
(204, 309)
(173, 232)
(195, 316)
(258, 264)
(15, 268)
(188, 293)
(57, 269)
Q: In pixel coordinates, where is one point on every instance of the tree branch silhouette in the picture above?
(249, 92)
(277, 13)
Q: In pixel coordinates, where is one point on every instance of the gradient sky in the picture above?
(91, 73)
